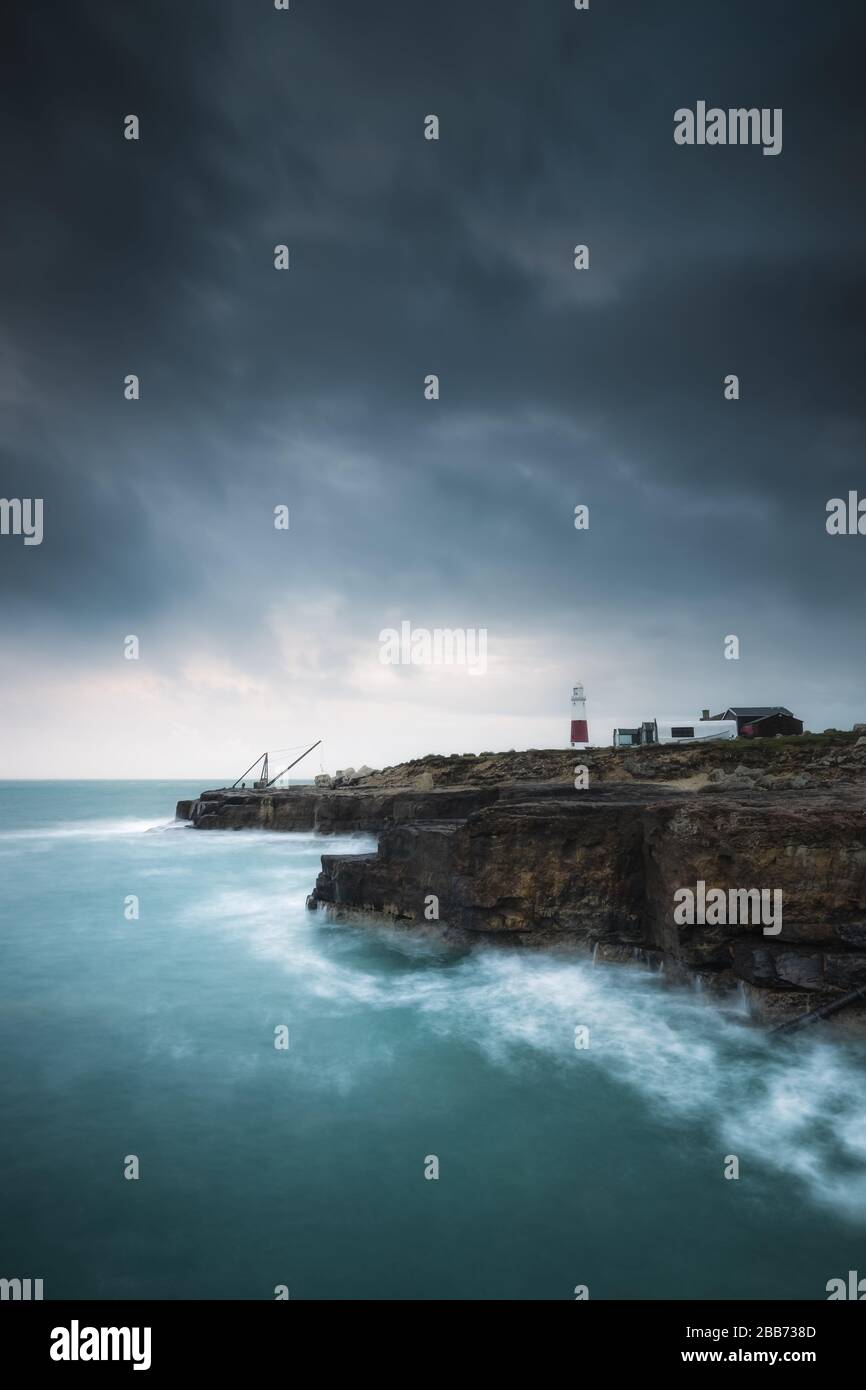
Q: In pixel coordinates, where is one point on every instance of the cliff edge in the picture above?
(508, 847)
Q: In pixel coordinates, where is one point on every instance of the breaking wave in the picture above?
(797, 1105)
(87, 830)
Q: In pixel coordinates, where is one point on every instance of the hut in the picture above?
(760, 721)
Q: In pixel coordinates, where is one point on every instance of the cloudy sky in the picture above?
(305, 387)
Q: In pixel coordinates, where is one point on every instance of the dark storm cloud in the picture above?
(410, 257)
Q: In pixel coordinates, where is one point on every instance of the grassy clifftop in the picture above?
(820, 758)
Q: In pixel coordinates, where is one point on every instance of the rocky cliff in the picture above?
(506, 845)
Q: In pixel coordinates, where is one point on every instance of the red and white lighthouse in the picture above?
(579, 726)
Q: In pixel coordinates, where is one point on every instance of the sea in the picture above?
(209, 1091)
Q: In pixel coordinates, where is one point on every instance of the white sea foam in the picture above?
(796, 1105)
(83, 829)
(293, 845)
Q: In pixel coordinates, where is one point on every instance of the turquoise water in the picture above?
(259, 1167)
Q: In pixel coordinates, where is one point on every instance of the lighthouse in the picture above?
(579, 726)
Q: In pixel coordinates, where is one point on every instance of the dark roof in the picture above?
(755, 711)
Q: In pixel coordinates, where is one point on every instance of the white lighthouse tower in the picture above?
(579, 726)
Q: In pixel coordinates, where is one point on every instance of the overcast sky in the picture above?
(305, 387)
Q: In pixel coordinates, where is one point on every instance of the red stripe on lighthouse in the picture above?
(579, 731)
